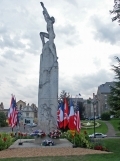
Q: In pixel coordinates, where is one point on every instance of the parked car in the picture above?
(98, 135)
(37, 133)
(47, 143)
(91, 118)
(32, 124)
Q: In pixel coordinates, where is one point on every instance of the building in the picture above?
(27, 113)
(1, 106)
(3, 110)
(102, 97)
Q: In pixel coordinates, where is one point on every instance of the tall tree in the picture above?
(116, 11)
(63, 95)
(81, 109)
(114, 97)
(2, 119)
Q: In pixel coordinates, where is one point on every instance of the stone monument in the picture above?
(48, 78)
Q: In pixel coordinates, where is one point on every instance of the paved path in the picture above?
(111, 131)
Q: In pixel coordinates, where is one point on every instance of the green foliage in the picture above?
(119, 126)
(105, 116)
(98, 145)
(2, 119)
(79, 139)
(115, 123)
(63, 95)
(5, 140)
(114, 97)
(88, 101)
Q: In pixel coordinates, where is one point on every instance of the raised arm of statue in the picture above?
(45, 12)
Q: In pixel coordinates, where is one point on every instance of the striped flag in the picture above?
(58, 116)
(71, 124)
(77, 120)
(12, 114)
(66, 113)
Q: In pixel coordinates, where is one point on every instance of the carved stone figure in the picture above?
(50, 35)
(48, 78)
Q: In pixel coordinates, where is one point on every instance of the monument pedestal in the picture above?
(39, 140)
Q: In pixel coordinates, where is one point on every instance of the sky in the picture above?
(87, 42)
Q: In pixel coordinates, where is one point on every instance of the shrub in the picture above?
(105, 116)
(5, 140)
(99, 146)
(119, 126)
(80, 139)
(2, 119)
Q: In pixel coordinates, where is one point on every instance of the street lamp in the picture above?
(94, 109)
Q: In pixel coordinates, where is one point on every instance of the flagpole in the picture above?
(75, 132)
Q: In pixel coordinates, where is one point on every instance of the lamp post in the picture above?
(94, 109)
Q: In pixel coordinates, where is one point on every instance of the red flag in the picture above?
(71, 124)
(60, 117)
(77, 120)
(12, 115)
(66, 111)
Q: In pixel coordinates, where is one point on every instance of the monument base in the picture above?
(20, 143)
(39, 140)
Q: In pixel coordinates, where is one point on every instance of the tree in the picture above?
(81, 109)
(2, 119)
(116, 11)
(114, 97)
(105, 116)
(63, 95)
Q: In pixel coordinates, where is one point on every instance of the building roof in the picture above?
(105, 88)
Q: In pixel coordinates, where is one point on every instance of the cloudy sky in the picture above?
(86, 40)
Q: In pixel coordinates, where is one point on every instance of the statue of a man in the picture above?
(50, 35)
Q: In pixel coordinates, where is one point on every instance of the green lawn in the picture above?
(112, 144)
(115, 122)
(102, 128)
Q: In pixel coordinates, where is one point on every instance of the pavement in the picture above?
(31, 143)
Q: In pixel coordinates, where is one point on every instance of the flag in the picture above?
(12, 114)
(61, 121)
(66, 112)
(77, 120)
(71, 124)
(58, 116)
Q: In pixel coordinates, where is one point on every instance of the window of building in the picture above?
(20, 107)
(27, 114)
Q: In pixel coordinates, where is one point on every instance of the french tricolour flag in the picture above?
(71, 124)
(61, 118)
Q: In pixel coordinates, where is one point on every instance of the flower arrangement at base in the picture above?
(21, 134)
(99, 146)
(55, 134)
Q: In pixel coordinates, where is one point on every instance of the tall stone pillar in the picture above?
(48, 79)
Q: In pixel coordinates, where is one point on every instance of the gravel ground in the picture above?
(47, 151)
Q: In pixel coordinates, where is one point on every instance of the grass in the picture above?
(102, 128)
(112, 144)
(114, 123)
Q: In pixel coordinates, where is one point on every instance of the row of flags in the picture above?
(13, 112)
(68, 116)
